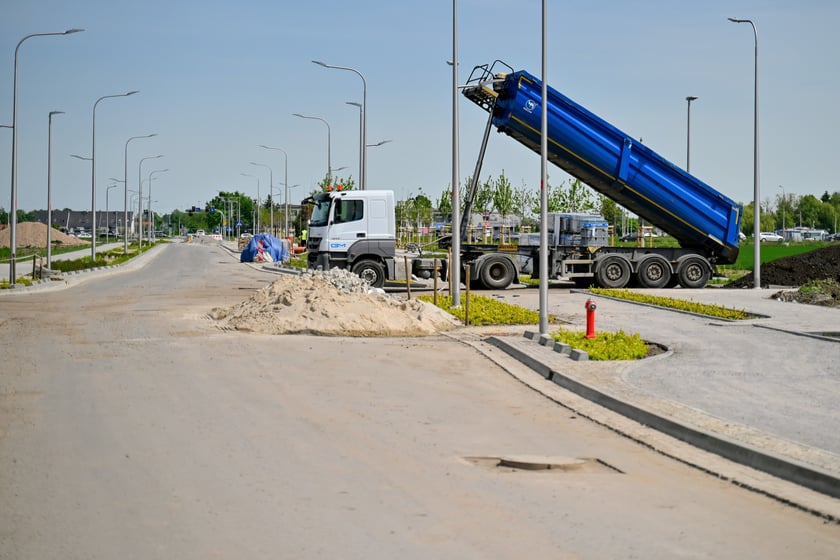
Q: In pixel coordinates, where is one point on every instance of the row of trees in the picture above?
(792, 210)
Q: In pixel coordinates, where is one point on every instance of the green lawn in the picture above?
(770, 252)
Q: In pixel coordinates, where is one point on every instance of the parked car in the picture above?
(770, 236)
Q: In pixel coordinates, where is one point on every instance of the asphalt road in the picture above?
(131, 427)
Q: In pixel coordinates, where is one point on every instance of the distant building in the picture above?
(70, 221)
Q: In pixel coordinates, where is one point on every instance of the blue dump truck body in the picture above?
(613, 163)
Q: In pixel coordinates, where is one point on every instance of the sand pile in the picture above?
(34, 234)
(334, 303)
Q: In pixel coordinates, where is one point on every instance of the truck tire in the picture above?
(654, 272)
(693, 272)
(613, 272)
(371, 271)
(497, 273)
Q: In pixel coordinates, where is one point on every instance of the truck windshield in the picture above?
(320, 210)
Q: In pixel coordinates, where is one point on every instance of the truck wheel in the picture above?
(497, 273)
(613, 272)
(654, 272)
(371, 271)
(693, 272)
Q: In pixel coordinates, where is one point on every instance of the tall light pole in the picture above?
(285, 185)
(13, 211)
(107, 192)
(151, 217)
(544, 178)
(140, 202)
(756, 187)
(329, 143)
(125, 180)
(49, 186)
(270, 191)
(783, 211)
(455, 272)
(363, 159)
(688, 100)
(256, 222)
(93, 172)
(361, 137)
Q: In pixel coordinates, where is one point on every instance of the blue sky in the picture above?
(217, 79)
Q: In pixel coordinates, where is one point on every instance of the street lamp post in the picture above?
(49, 186)
(107, 192)
(125, 180)
(151, 216)
(255, 222)
(688, 99)
(361, 137)
(140, 202)
(784, 234)
(285, 183)
(455, 271)
(93, 172)
(756, 187)
(363, 108)
(270, 191)
(329, 142)
(13, 211)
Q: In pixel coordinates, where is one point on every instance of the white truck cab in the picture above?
(355, 230)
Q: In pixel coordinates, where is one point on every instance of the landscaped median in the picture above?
(487, 311)
(688, 306)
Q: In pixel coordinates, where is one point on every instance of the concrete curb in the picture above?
(781, 467)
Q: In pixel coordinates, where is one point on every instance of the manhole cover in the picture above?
(545, 463)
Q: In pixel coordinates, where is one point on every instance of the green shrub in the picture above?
(605, 345)
(487, 311)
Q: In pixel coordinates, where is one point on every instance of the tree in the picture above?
(444, 203)
(523, 202)
(503, 196)
(611, 212)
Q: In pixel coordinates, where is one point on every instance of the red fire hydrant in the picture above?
(590, 318)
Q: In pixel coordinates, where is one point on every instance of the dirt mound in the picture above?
(334, 303)
(797, 270)
(34, 234)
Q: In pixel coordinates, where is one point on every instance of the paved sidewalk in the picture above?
(763, 392)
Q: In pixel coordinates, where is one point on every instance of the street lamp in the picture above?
(286, 184)
(756, 188)
(784, 234)
(256, 222)
(151, 216)
(49, 186)
(125, 180)
(107, 192)
(13, 212)
(455, 276)
(363, 108)
(270, 192)
(361, 138)
(140, 202)
(329, 142)
(93, 171)
(688, 99)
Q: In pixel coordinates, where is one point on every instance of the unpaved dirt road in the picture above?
(131, 427)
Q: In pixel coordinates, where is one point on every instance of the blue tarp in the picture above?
(265, 248)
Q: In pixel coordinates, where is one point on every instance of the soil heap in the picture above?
(334, 303)
(797, 270)
(34, 234)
